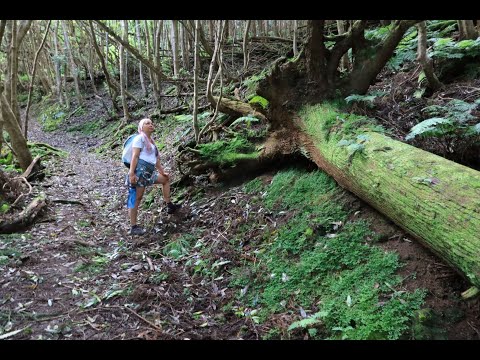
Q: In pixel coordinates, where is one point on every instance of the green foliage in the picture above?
(158, 278)
(406, 51)
(4, 207)
(245, 119)
(52, 117)
(365, 99)
(7, 159)
(184, 117)
(441, 28)
(428, 325)
(89, 127)
(94, 266)
(260, 101)
(329, 269)
(453, 119)
(289, 187)
(315, 319)
(38, 149)
(447, 48)
(378, 34)
(431, 127)
(178, 248)
(251, 83)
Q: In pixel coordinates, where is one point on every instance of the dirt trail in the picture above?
(44, 286)
(81, 276)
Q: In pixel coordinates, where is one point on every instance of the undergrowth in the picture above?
(321, 271)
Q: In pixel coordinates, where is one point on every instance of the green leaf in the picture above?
(426, 126)
(344, 142)
(260, 101)
(476, 128)
(314, 319)
(353, 148)
(247, 119)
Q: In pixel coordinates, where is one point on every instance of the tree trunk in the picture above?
(25, 218)
(315, 53)
(434, 199)
(195, 83)
(126, 114)
(112, 90)
(132, 50)
(246, 56)
(366, 70)
(424, 59)
(58, 78)
(19, 144)
(73, 67)
(152, 74)
(174, 40)
(3, 23)
(32, 78)
(184, 46)
(467, 30)
(139, 41)
(341, 30)
(295, 30)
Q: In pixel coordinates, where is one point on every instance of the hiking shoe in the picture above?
(171, 207)
(136, 230)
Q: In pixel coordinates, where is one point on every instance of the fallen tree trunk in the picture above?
(25, 218)
(236, 108)
(434, 199)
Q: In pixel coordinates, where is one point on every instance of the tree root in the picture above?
(24, 218)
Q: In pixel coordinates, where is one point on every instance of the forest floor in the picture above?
(77, 274)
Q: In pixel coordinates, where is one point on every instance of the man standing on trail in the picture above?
(142, 173)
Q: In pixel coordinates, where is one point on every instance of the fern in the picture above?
(429, 127)
(476, 129)
(304, 323)
(447, 48)
(456, 110)
(247, 119)
(366, 99)
(406, 50)
(354, 148)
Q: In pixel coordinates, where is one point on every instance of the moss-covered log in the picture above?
(434, 199)
(236, 108)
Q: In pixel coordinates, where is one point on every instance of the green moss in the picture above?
(89, 127)
(313, 263)
(225, 152)
(52, 117)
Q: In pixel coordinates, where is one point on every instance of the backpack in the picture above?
(127, 150)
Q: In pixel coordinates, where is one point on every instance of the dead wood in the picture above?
(24, 218)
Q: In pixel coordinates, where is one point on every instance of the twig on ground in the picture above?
(66, 201)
